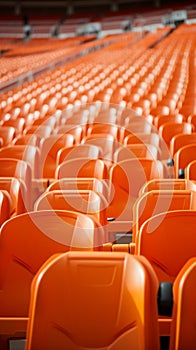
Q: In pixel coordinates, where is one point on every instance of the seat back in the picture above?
(158, 201)
(135, 151)
(151, 139)
(84, 151)
(126, 179)
(170, 129)
(82, 167)
(181, 140)
(83, 201)
(190, 171)
(167, 184)
(183, 335)
(49, 150)
(107, 305)
(168, 240)
(184, 156)
(7, 134)
(27, 153)
(5, 206)
(17, 191)
(27, 241)
(21, 170)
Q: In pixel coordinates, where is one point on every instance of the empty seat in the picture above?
(21, 170)
(181, 140)
(126, 179)
(183, 335)
(18, 193)
(5, 206)
(7, 134)
(83, 201)
(135, 151)
(85, 151)
(168, 241)
(109, 307)
(190, 171)
(82, 167)
(183, 157)
(26, 242)
(49, 150)
(157, 201)
(167, 184)
(27, 153)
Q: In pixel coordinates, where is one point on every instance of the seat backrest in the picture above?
(17, 191)
(183, 335)
(85, 151)
(7, 133)
(181, 140)
(95, 291)
(158, 201)
(21, 170)
(162, 119)
(27, 241)
(49, 150)
(167, 184)
(83, 201)
(151, 139)
(184, 156)
(105, 141)
(27, 139)
(27, 153)
(190, 171)
(5, 206)
(170, 129)
(80, 183)
(126, 179)
(168, 240)
(39, 130)
(135, 151)
(18, 124)
(82, 167)
(75, 130)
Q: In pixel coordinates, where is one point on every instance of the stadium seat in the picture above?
(96, 320)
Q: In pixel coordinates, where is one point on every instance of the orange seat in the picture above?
(151, 139)
(126, 179)
(7, 134)
(26, 242)
(82, 167)
(183, 335)
(83, 201)
(168, 240)
(181, 140)
(162, 119)
(114, 309)
(105, 141)
(21, 170)
(5, 206)
(135, 151)
(158, 201)
(84, 150)
(17, 191)
(18, 124)
(183, 157)
(75, 130)
(167, 184)
(49, 150)
(28, 139)
(27, 153)
(80, 183)
(39, 130)
(190, 171)
(170, 129)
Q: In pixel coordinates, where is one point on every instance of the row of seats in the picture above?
(96, 177)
